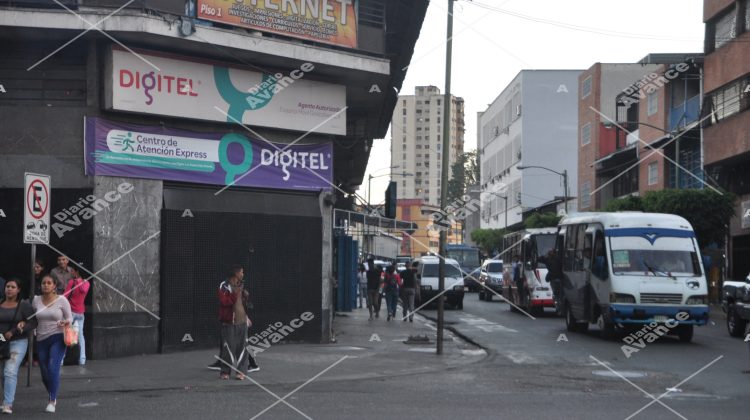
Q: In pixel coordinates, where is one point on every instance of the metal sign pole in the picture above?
(30, 349)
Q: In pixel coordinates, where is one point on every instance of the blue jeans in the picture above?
(78, 319)
(10, 370)
(51, 353)
(391, 300)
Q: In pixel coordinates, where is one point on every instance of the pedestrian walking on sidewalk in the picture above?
(238, 271)
(76, 292)
(61, 274)
(373, 288)
(233, 300)
(53, 315)
(16, 322)
(409, 281)
(392, 282)
(362, 281)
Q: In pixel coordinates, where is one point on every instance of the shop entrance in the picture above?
(281, 255)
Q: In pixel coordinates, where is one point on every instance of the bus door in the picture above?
(595, 259)
(576, 288)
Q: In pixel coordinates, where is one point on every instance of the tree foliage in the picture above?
(629, 203)
(464, 173)
(488, 239)
(541, 220)
(707, 211)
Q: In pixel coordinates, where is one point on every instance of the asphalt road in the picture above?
(531, 372)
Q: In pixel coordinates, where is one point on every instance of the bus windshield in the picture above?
(676, 256)
(465, 257)
(544, 244)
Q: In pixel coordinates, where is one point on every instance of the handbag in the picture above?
(71, 335)
(5, 344)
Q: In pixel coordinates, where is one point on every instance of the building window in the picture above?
(404, 156)
(653, 173)
(403, 111)
(586, 134)
(586, 87)
(725, 29)
(653, 103)
(403, 146)
(403, 184)
(586, 195)
(728, 100)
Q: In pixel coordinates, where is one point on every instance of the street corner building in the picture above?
(183, 137)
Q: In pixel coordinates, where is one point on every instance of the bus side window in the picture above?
(580, 246)
(570, 248)
(600, 268)
(586, 254)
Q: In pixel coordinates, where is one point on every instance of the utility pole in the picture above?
(444, 174)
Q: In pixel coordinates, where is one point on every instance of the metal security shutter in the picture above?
(282, 260)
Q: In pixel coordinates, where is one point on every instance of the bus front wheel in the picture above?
(685, 332)
(571, 323)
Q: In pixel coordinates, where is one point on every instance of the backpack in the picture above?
(391, 281)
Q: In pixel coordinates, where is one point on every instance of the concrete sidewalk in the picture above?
(363, 349)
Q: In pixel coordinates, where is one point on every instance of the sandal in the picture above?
(224, 376)
(240, 377)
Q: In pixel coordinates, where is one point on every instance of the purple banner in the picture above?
(135, 151)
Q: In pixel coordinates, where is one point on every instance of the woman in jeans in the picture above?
(76, 292)
(392, 283)
(15, 330)
(53, 314)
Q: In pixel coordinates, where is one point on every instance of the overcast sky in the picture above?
(491, 46)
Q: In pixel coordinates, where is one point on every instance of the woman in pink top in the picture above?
(76, 292)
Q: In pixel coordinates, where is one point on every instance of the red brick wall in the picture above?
(726, 139)
(728, 63)
(587, 154)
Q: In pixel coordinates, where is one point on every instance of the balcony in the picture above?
(684, 114)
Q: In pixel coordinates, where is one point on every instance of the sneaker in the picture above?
(252, 369)
(7, 410)
(215, 365)
(50, 408)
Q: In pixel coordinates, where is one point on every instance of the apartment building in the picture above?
(726, 147)
(533, 122)
(652, 141)
(599, 87)
(416, 142)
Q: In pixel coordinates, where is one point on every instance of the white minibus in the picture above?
(623, 269)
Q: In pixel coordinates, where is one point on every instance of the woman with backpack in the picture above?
(392, 282)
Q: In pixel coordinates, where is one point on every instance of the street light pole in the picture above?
(563, 174)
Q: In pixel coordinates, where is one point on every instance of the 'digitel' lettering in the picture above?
(162, 83)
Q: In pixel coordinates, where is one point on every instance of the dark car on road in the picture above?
(736, 304)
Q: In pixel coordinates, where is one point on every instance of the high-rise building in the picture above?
(726, 144)
(416, 142)
(531, 123)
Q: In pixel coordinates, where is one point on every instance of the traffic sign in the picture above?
(36, 209)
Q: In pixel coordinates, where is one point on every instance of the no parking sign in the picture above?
(36, 209)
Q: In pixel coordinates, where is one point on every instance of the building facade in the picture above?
(726, 101)
(416, 146)
(531, 123)
(652, 141)
(599, 86)
(181, 144)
